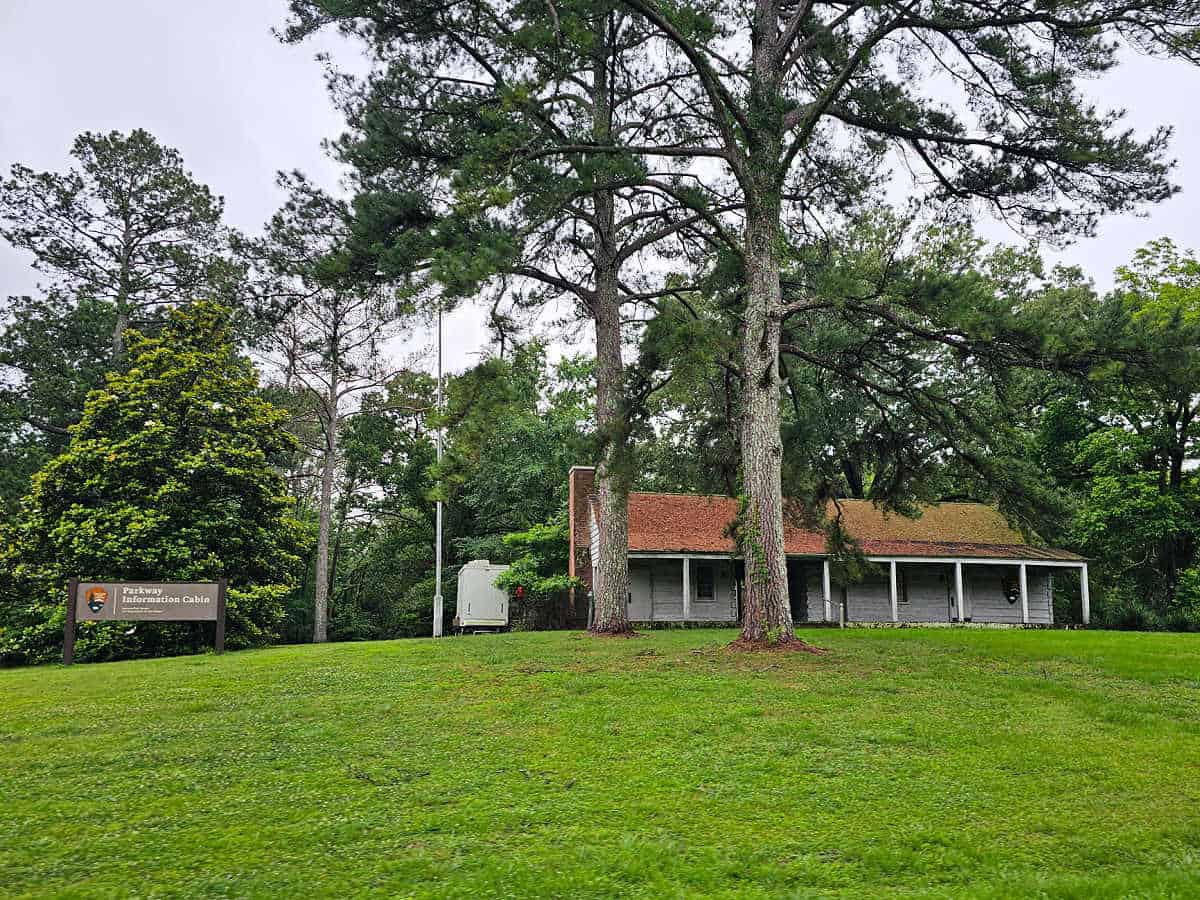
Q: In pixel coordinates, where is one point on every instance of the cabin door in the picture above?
(639, 591)
(797, 590)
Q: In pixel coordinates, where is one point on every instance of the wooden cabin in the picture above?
(955, 563)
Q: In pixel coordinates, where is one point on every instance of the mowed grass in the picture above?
(918, 762)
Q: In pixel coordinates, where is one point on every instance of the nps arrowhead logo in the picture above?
(96, 598)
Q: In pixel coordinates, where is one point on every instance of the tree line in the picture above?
(707, 187)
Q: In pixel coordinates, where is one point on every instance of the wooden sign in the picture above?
(143, 601)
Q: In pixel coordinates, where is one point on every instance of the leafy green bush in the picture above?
(537, 579)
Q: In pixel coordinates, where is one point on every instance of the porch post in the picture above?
(1024, 597)
(687, 588)
(895, 601)
(1084, 596)
(960, 595)
(825, 590)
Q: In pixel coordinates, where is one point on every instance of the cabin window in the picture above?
(705, 587)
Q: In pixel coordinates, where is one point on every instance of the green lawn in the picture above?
(923, 762)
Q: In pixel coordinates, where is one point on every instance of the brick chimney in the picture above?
(581, 489)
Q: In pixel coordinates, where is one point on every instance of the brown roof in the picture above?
(676, 523)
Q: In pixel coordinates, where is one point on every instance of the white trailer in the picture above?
(481, 605)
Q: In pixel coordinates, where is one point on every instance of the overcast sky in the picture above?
(209, 79)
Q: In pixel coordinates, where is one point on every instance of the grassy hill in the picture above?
(924, 762)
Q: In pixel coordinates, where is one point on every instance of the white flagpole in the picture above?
(437, 597)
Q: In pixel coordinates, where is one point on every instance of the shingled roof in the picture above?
(689, 523)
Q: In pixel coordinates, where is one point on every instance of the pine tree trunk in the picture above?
(611, 587)
(124, 291)
(121, 325)
(119, 329)
(324, 517)
(766, 613)
(348, 489)
(765, 609)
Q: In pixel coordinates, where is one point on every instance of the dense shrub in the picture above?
(1121, 607)
(536, 579)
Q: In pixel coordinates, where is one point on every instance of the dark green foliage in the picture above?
(904, 371)
(515, 426)
(385, 585)
(516, 429)
(51, 355)
(1123, 442)
(382, 559)
(170, 475)
(687, 437)
(537, 580)
(1142, 531)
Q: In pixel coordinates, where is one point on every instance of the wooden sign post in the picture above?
(222, 583)
(69, 631)
(143, 601)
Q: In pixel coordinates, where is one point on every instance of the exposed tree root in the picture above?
(795, 645)
(626, 633)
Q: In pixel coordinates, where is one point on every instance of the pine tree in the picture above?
(129, 226)
(509, 117)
